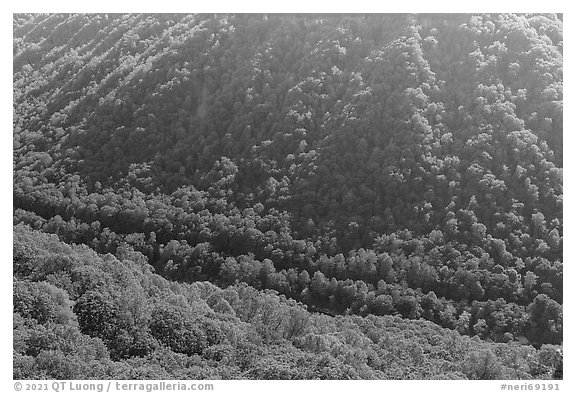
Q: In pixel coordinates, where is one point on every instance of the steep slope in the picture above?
(80, 315)
(406, 165)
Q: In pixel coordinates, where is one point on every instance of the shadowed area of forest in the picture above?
(288, 196)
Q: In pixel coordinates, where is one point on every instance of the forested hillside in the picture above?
(288, 196)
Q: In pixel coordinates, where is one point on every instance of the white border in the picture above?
(295, 6)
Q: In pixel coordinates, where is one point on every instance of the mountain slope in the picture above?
(406, 165)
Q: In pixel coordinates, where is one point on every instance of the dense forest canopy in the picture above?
(288, 196)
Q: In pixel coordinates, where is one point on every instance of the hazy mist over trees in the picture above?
(288, 196)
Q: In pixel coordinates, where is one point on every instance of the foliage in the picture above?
(279, 170)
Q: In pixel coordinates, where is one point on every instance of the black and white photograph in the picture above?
(287, 196)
